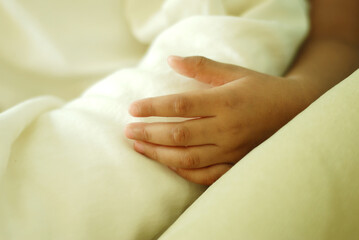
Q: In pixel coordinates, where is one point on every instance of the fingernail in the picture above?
(129, 133)
(173, 169)
(134, 109)
(139, 147)
(174, 59)
(134, 132)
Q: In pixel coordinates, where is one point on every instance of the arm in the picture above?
(331, 52)
(244, 107)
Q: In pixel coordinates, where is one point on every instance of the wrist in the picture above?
(296, 97)
(304, 89)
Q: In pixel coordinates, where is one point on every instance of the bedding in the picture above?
(66, 169)
(302, 183)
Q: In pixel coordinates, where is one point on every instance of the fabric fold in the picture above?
(71, 173)
(14, 121)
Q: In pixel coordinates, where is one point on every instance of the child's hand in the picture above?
(241, 110)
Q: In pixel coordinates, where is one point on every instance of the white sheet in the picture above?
(66, 170)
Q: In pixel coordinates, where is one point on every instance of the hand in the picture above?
(225, 122)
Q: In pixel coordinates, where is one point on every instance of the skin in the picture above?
(222, 126)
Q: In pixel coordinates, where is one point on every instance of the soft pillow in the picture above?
(302, 183)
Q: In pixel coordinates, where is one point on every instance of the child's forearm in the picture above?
(322, 64)
(332, 51)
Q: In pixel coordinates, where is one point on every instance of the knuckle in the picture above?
(181, 105)
(235, 129)
(190, 160)
(180, 135)
(222, 128)
(230, 102)
(148, 109)
(200, 62)
(145, 135)
(153, 154)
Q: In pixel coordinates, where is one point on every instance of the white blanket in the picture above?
(66, 170)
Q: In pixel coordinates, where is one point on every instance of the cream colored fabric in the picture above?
(61, 47)
(302, 183)
(66, 170)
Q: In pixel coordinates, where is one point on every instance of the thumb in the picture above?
(206, 70)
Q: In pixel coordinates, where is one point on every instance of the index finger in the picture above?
(192, 104)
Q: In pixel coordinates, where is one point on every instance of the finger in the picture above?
(204, 176)
(206, 70)
(181, 157)
(188, 133)
(191, 104)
